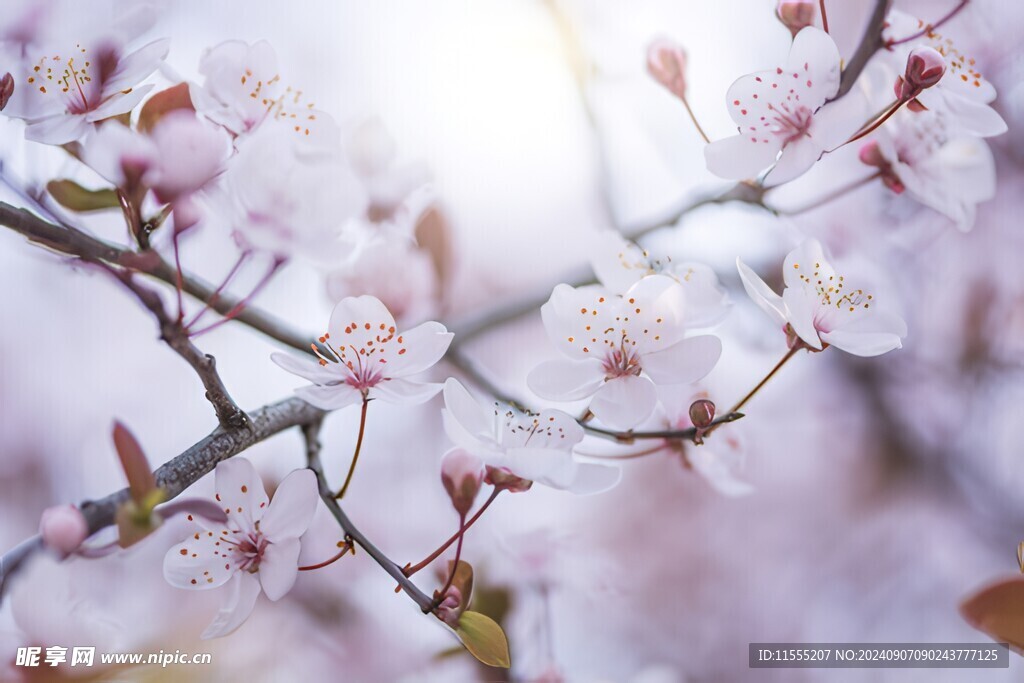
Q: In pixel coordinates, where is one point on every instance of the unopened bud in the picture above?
(666, 63)
(702, 413)
(925, 68)
(449, 610)
(6, 89)
(502, 478)
(461, 473)
(871, 155)
(796, 15)
(63, 528)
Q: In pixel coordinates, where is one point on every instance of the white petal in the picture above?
(803, 305)
(617, 262)
(761, 294)
(402, 391)
(243, 590)
(466, 422)
(797, 158)
(976, 118)
(652, 312)
(814, 57)
(865, 344)
(807, 264)
(120, 103)
(292, 508)
(198, 564)
(706, 303)
(240, 492)
(685, 362)
(574, 316)
(592, 478)
(330, 398)
(134, 67)
(624, 402)
(566, 380)
(305, 367)
(57, 130)
(279, 567)
(358, 318)
(424, 345)
(742, 156)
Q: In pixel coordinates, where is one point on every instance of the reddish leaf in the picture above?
(175, 97)
(133, 461)
(998, 610)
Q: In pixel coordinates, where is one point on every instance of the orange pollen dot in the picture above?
(184, 551)
(570, 339)
(367, 325)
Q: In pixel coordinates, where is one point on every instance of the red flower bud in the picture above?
(6, 89)
(502, 478)
(666, 63)
(702, 413)
(796, 15)
(925, 68)
(871, 155)
(461, 473)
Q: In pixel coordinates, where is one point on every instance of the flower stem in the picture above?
(455, 564)
(240, 306)
(929, 28)
(346, 547)
(694, 119)
(220, 288)
(752, 392)
(850, 187)
(872, 127)
(824, 15)
(463, 528)
(359, 447)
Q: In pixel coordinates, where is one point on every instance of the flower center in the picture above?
(791, 122)
(364, 358)
(287, 106)
(832, 291)
(72, 79)
(246, 553)
(621, 361)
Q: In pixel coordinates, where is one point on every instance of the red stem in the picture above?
(220, 289)
(359, 446)
(346, 547)
(824, 16)
(240, 306)
(457, 536)
(455, 564)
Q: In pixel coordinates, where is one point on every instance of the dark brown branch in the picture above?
(870, 43)
(185, 469)
(311, 431)
(628, 437)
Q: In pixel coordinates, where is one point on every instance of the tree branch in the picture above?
(870, 43)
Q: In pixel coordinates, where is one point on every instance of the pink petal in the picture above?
(332, 397)
(742, 156)
(402, 391)
(199, 564)
(624, 402)
(423, 346)
(279, 567)
(566, 380)
(240, 492)
(685, 362)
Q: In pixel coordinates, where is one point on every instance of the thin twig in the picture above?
(463, 528)
(13, 559)
(311, 432)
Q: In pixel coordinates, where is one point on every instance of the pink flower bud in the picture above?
(871, 155)
(63, 528)
(702, 413)
(796, 15)
(461, 473)
(502, 478)
(666, 63)
(925, 68)
(6, 89)
(448, 610)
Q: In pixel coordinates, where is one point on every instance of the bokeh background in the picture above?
(886, 489)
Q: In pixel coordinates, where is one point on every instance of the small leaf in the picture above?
(434, 236)
(133, 461)
(464, 582)
(135, 522)
(998, 610)
(484, 639)
(162, 103)
(71, 195)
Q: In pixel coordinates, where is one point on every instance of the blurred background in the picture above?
(886, 489)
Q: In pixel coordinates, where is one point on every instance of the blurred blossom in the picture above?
(243, 89)
(620, 347)
(619, 264)
(279, 196)
(461, 473)
(796, 15)
(666, 63)
(256, 549)
(536, 447)
(367, 358)
(820, 308)
(936, 163)
(63, 528)
(783, 110)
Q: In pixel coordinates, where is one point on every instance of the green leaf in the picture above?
(484, 639)
(71, 195)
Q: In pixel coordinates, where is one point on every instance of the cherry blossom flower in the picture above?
(242, 89)
(782, 116)
(820, 309)
(281, 198)
(937, 164)
(363, 357)
(962, 91)
(63, 86)
(619, 347)
(619, 264)
(666, 63)
(176, 159)
(536, 447)
(256, 549)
